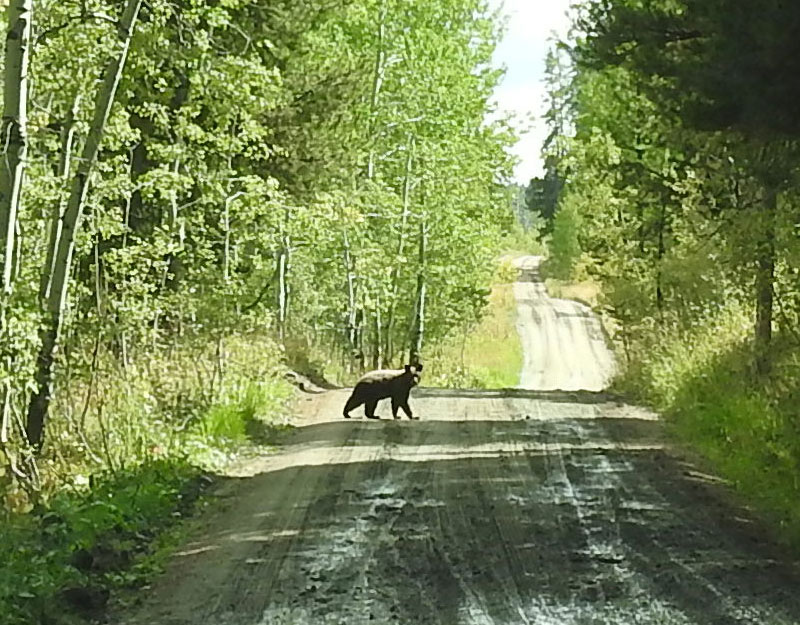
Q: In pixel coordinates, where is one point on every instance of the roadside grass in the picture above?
(580, 286)
(586, 291)
(245, 416)
(747, 430)
(60, 561)
(487, 354)
(127, 458)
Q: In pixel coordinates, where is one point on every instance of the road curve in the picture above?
(563, 343)
(507, 507)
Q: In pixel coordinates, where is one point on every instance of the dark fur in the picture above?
(377, 385)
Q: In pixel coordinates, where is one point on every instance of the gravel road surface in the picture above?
(507, 507)
(563, 343)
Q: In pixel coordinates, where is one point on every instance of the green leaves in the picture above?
(261, 161)
(267, 169)
(685, 133)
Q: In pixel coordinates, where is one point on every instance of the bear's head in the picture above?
(413, 372)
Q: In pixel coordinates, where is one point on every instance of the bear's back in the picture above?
(380, 376)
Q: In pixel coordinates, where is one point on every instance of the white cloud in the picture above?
(531, 26)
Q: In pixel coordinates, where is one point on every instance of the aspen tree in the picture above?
(64, 246)
(13, 131)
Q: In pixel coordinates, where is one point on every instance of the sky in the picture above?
(531, 25)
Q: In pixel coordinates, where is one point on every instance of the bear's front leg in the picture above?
(353, 402)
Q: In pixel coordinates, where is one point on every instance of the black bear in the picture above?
(377, 385)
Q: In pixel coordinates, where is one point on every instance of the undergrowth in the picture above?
(60, 561)
(747, 428)
(127, 455)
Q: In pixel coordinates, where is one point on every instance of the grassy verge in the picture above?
(586, 291)
(485, 355)
(61, 561)
(127, 458)
(748, 431)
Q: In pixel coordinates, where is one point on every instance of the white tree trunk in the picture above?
(70, 222)
(352, 304)
(377, 84)
(283, 287)
(377, 356)
(14, 147)
(19, 15)
(401, 243)
(64, 166)
(415, 352)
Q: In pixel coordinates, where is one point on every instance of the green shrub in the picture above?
(702, 382)
(565, 249)
(59, 559)
(123, 464)
(524, 241)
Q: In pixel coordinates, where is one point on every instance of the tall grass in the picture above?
(189, 401)
(251, 414)
(124, 460)
(487, 354)
(748, 429)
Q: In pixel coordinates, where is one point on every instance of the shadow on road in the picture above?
(571, 397)
(431, 522)
(516, 436)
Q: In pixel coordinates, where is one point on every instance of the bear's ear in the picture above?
(419, 367)
(408, 368)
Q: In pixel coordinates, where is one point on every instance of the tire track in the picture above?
(562, 342)
(505, 507)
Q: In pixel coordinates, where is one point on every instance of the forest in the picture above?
(197, 197)
(206, 202)
(183, 178)
(671, 181)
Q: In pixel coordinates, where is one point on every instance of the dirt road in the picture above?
(497, 508)
(563, 343)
